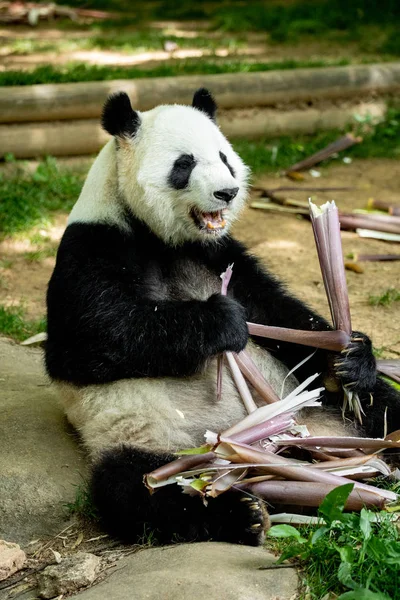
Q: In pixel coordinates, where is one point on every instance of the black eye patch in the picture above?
(225, 161)
(180, 172)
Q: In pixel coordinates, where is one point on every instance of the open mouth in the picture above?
(209, 222)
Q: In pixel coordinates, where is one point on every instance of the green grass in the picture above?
(75, 72)
(27, 199)
(13, 324)
(381, 141)
(355, 556)
(387, 298)
(82, 506)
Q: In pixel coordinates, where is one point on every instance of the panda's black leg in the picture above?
(128, 510)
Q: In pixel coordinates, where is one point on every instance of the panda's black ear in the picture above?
(203, 100)
(118, 117)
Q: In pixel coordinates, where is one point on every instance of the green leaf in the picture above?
(318, 534)
(363, 594)
(333, 504)
(387, 551)
(200, 450)
(299, 550)
(199, 484)
(365, 523)
(347, 554)
(286, 531)
(344, 575)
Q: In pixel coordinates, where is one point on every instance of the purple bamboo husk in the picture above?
(341, 306)
(241, 384)
(179, 465)
(226, 277)
(340, 442)
(390, 368)
(251, 372)
(289, 469)
(308, 494)
(274, 426)
(321, 241)
(376, 257)
(327, 340)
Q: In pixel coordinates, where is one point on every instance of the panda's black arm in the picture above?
(100, 331)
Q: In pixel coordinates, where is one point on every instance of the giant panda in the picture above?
(136, 322)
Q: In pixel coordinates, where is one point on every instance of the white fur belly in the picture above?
(162, 414)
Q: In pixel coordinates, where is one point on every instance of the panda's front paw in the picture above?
(239, 519)
(356, 365)
(227, 328)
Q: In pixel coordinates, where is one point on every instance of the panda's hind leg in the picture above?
(128, 511)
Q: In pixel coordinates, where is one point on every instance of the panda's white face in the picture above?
(180, 175)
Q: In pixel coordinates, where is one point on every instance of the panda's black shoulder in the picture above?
(86, 239)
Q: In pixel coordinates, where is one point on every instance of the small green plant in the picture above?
(14, 324)
(386, 298)
(354, 555)
(82, 506)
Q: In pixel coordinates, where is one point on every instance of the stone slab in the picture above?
(211, 570)
(40, 460)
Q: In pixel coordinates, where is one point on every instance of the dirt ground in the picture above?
(283, 241)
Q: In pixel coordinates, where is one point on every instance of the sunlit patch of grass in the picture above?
(28, 199)
(75, 72)
(13, 323)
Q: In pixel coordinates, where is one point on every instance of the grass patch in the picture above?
(386, 298)
(381, 141)
(13, 323)
(355, 556)
(75, 72)
(28, 199)
(82, 506)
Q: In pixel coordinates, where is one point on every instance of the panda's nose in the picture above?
(227, 194)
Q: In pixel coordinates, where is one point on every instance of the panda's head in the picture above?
(176, 170)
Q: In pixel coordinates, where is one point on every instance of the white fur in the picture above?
(138, 173)
(148, 412)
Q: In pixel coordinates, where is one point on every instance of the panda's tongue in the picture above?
(213, 220)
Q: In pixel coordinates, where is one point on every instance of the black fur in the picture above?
(118, 117)
(115, 311)
(225, 161)
(128, 510)
(181, 170)
(203, 101)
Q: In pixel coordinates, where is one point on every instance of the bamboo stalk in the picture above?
(253, 375)
(340, 144)
(373, 222)
(241, 384)
(392, 209)
(287, 468)
(375, 257)
(309, 494)
(390, 368)
(179, 465)
(340, 442)
(327, 340)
